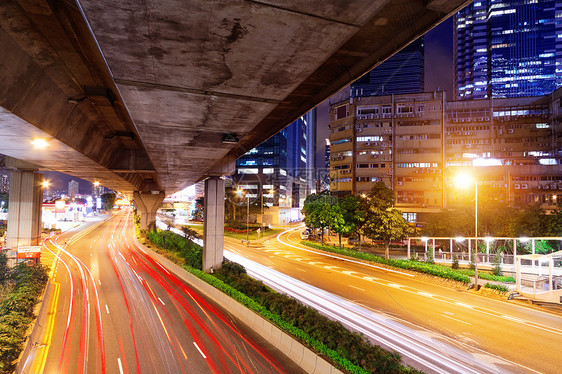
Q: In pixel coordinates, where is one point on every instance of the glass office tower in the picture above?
(400, 74)
(508, 48)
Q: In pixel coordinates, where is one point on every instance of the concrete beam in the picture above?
(213, 226)
(148, 204)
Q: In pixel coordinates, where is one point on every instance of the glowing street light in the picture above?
(39, 143)
(45, 184)
(464, 181)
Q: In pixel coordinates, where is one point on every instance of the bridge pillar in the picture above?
(213, 225)
(24, 211)
(148, 204)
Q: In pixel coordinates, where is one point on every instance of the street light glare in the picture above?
(464, 180)
(96, 183)
(39, 143)
(45, 184)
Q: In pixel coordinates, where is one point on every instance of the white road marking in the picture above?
(349, 272)
(394, 285)
(99, 282)
(91, 254)
(464, 305)
(424, 294)
(513, 319)
(360, 289)
(161, 301)
(199, 349)
(458, 320)
(106, 309)
(120, 366)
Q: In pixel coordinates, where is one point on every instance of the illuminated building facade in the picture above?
(418, 143)
(508, 48)
(283, 168)
(73, 188)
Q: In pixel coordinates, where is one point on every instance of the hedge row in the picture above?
(16, 311)
(487, 276)
(497, 287)
(186, 249)
(350, 351)
(421, 267)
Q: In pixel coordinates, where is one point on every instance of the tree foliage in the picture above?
(108, 201)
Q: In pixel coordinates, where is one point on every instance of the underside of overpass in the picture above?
(139, 95)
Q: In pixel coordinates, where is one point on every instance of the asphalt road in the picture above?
(505, 334)
(114, 309)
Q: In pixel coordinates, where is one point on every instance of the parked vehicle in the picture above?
(305, 234)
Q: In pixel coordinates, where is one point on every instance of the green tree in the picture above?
(380, 220)
(108, 201)
(318, 212)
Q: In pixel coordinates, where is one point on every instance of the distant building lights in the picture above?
(486, 162)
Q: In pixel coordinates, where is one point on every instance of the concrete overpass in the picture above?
(145, 96)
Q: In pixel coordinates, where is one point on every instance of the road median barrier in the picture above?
(310, 361)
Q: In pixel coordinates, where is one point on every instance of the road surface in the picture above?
(114, 309)
(497, 335)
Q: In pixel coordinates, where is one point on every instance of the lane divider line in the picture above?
(200, 351)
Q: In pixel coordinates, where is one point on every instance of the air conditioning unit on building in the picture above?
(524, 186)
(517, 186)
(468, 145)
(359, 129)
(398, 183)
(510, 131)
(487, 118)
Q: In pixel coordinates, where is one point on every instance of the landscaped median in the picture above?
(348, 351)
(25, 284)
(460, 275)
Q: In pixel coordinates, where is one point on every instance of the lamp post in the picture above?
(463, 181)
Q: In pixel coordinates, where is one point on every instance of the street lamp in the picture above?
(464, 180)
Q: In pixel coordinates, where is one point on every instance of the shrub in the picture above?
(186, 249)
(455, 264)
(497, 287)
(16, 311)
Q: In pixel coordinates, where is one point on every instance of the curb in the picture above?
(296, 351)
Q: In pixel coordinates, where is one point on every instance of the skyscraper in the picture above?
(4, 183)
(508, 48)
(73, 188)
(281, 168)
(402, 73)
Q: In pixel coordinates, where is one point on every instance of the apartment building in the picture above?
(418, 143)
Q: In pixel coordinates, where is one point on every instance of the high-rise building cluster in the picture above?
(4, 183)
(504, 126)
(282, 169)
(73, 188)
(508, 48)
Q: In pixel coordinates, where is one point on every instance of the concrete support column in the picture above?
(213, 225)
(24, 212)
(147, 205)
(409, 241)
(517, 274)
